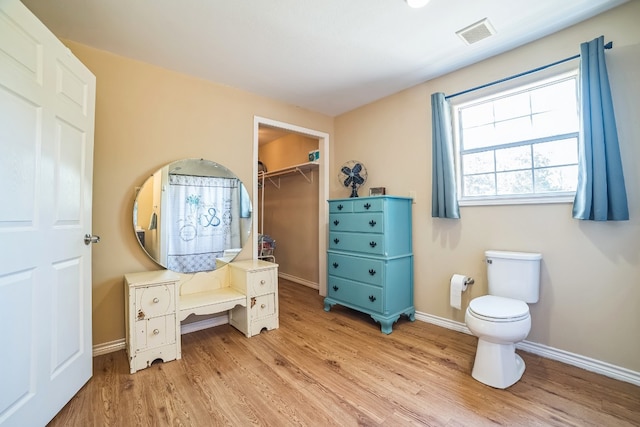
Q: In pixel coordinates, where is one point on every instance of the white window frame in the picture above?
(493, 92)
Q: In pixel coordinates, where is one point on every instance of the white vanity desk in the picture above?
(157, 301)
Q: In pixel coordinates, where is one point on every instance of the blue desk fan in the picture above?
(352, 175)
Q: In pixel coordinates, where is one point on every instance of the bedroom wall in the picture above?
(146, 117)
(590, 296)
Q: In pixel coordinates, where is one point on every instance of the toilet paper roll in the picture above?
(458, 286)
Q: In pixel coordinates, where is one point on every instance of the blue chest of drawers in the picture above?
(370, 257)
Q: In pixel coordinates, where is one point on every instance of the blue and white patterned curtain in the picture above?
(200, 221)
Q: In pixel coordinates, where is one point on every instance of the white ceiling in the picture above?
(329, 56)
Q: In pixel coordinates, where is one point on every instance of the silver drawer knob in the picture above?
(156, 332)
(262, 306)
(262, 282)
(156, 300)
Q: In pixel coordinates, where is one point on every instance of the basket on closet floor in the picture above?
(266, 246)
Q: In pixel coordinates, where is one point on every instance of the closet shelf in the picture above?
(303, 169)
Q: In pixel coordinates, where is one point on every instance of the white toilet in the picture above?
(501, 319)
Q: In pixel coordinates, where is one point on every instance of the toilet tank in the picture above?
(514, 275)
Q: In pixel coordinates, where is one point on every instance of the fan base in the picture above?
(354, 190)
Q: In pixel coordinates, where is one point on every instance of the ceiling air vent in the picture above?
(476, 32)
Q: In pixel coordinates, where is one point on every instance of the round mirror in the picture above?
(192, 215)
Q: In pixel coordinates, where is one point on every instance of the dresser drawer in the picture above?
(360, 222)
(154, 301)
(155, 332)
(358, 294)
(344, 206)
(366, 270)
(368, 205)
(261, 282)
(357, 242)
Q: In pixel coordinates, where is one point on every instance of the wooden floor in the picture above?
(337, 369)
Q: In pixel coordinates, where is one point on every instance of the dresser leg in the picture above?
(386, 323)
(411, 314)
(328, 305)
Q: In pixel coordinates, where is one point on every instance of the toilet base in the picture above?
(497, 365)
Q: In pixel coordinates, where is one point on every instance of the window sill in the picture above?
(510, 200)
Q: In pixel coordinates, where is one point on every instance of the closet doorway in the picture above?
(292, 177)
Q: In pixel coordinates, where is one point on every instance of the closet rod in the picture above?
(524, 73)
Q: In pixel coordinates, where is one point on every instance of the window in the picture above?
(519, 146)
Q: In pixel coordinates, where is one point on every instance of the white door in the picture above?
(47, 102)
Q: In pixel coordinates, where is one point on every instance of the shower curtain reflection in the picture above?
(200, 225)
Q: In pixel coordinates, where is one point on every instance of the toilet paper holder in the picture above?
(469, 281)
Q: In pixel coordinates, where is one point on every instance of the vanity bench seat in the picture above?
(246, 290)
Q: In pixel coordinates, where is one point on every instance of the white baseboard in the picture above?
(109, 347)
(593, 365)
(300, 281)
(112, 346)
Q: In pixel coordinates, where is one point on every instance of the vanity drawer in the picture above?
(356, 294)
(153, 301)
(155, 332)
(366, 270)
(360, 222)
(261, 282)
(357, 242)
(263, 306)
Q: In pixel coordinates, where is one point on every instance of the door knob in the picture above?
(89, 239)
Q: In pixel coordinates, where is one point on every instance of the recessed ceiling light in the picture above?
(417, 3)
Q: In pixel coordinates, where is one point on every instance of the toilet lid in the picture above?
(498, 309)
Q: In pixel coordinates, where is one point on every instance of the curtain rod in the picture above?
(515, 76)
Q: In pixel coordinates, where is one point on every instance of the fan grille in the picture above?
(352, 174)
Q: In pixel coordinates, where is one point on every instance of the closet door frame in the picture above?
(323, 189)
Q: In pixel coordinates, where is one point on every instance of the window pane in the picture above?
(515, 158)
(556, 153)
(520, 182)
(478, 137)
(512, 106)
(477, 115)
(518, 129)
(478, 163)
(480, 185)
(554, 123)
(563, 178)
(559, 96)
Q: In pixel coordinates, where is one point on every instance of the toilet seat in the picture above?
(498, 309)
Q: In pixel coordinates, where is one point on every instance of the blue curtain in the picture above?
(601, 193)
(444, 200)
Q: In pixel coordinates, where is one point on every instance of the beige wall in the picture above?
(590, 296)
(146, 117)
(291, 211)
